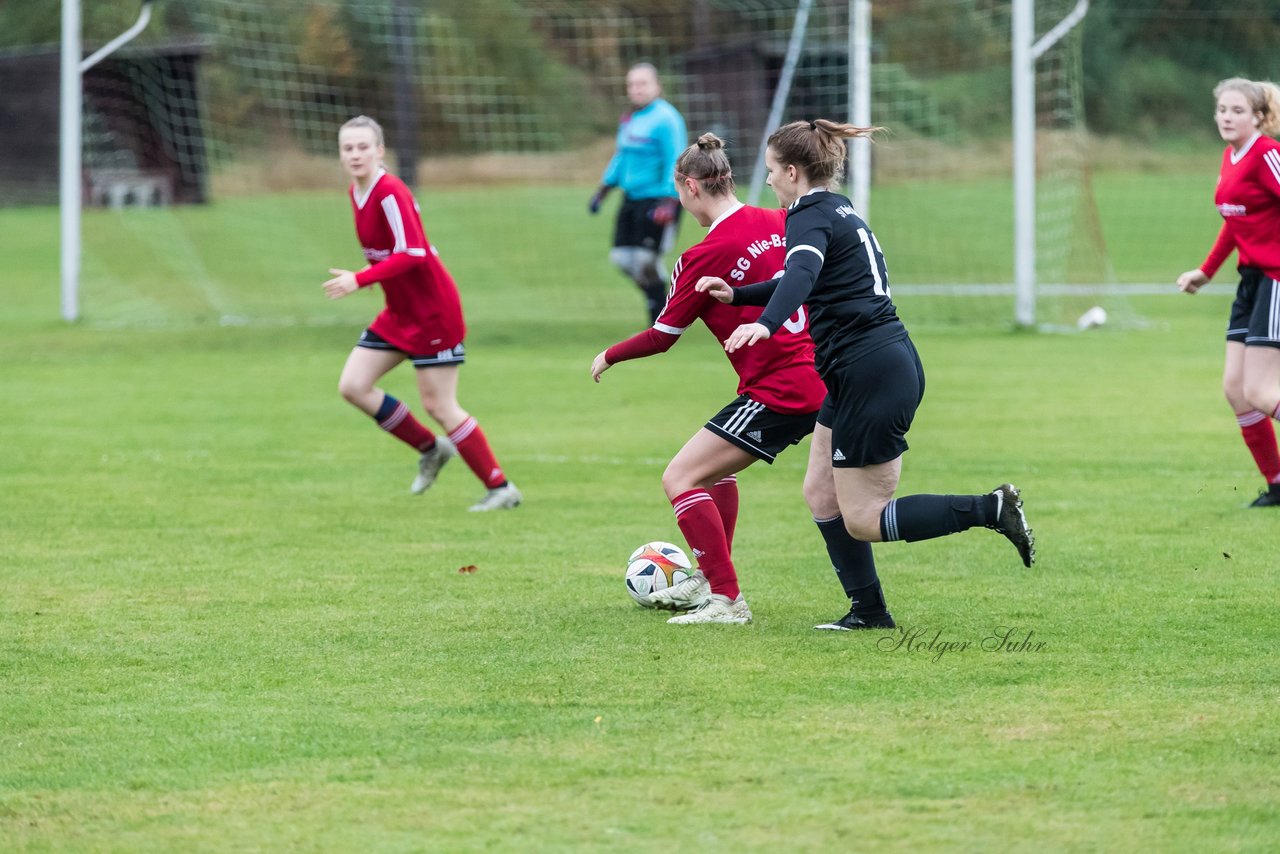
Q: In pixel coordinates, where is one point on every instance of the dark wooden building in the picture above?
(143, 143)
(731, 86)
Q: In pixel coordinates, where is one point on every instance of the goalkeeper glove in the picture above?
(597, 199)
(664, 212)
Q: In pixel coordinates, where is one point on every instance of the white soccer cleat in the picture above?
(499, 498)
(684, 595)
(717, 609)
(430, 463)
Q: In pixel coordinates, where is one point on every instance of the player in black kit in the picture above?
(873, 375)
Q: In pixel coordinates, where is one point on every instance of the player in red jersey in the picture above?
(422, 322)
(1248, 197)
(779, 392)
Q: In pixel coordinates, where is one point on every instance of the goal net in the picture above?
(216, 197)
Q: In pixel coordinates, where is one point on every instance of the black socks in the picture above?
(923, 517)
(855, 567)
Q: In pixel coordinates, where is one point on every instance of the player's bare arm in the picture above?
(342, 283)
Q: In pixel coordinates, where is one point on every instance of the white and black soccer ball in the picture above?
(655, 566)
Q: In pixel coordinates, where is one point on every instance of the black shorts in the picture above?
(1255, 315)
(371, 340)
(635, 225)
(758, 430)
(870, 404)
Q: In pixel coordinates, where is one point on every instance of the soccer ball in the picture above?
(655, 566)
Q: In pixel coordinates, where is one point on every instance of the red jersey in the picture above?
(1248, 197)
(424, 313)
(745, 245)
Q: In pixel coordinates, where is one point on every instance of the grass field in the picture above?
(227, 626)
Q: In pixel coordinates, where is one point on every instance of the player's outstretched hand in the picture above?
(342, 283)
(744, 336)
(1192, 281)
(599, 366)
(718, 288)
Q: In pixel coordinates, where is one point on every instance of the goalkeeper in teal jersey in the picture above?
(650, 138)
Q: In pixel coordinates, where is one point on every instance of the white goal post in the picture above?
(70, 139)
(1025, 53)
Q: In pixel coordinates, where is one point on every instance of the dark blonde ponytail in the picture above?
(815, 147)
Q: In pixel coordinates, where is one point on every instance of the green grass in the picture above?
(226, 625)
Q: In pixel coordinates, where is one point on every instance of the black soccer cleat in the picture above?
(1011, 522)
(1269, 497)
(851, 622)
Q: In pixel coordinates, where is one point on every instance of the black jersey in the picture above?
(835, 267)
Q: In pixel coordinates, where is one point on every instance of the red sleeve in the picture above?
(393, 266)
(410, 248)
(1222, 248)
(684, 304)
(647, 343)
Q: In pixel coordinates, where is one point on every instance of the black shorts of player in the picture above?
(1255, 315)
(635, 225)
(371, 340)
(758, 430)
(870, 404)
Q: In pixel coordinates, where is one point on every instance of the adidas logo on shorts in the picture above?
(838, 456)
(754, 435)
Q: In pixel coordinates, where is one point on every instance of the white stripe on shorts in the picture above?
(740, 419)
(1272, 334)
(1273, 327)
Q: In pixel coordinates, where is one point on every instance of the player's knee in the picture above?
(353, 392)
(651, 269)
(1233, 391)
(448, 414)
(636, 262)
(437, 410)
(821, 500)
(1260, 394)
(862, 520)
(864, 526)
(621, 257)
(675, 482)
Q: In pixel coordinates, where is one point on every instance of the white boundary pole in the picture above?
(860, 104)
(794, 46)
(70, 137)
